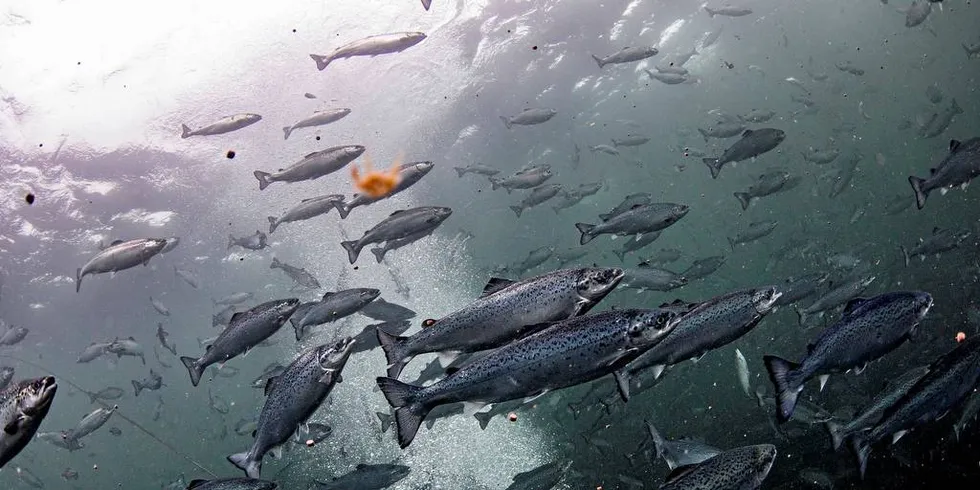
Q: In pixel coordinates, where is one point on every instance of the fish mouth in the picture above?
(768, 300)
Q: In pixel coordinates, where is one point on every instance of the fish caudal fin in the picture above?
(781, 372)
(353, 249)
(342, 208)
(506, 121)
(483, 418)
(287, 130)
(426, 4)
(137, 387)
(379, 253)
(263, 177)
(78, 279)
(658, 440)
(321, 61)
(185, 132)
(744, 199)
(598, 60)
(460, 171)
(920, 194)
(714, 164)
(298, 328)
(862, 449)
(273, 224)
(621, 254)
(586, 230)
(711, 13)
(394, 348)
(193, 368)
(251, 468)
(836, 432)
(517, 210)
(409, 413)
(494, 183)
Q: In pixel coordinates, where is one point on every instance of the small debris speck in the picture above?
(230, 154)
(29, 198)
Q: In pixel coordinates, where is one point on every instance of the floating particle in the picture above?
(29, 198)
(960, 337)
(230, 154)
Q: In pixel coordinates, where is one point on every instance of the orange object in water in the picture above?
(960, 337)
(512, 417)
(374, 183)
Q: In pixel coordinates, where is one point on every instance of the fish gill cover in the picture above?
(135, 139)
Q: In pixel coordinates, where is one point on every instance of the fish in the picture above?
(839, 294)
(298, 274)
(476, 168)
(844, 173)
(332, 307)
(820, 156)
(756, 116)
(23, 406)
(742, 369)
(940, 121)
(14, 335)
(306, 209)
(723, 129)
(934, 94)
(69, 474)
(744, 468)
(728, 11)
(630, 140)
(889, 318)
(218, 404)
(629, 202)
(537, 196)
(627, 55)
(634, 243)
(568, 256)
(663, 256)
(153, 383)
(126, 347)
(162, 336)
(968, 414)
(371, 46)
(365, 477)
(271, 370)
(667, 78)
(58, 439)
(313, 166)
(940, 241)
(568, 199)
(534, 258)
(120, 256)
(672, 69)
(960, 166)
(971, 49)
(529, 367)
(28, 478)
(547, 475)
(380, 252)
(225, 371)
(408, 175)
(703, 267)
(384, 311)
(91, 423)
(711, 38)
(680, 452)
(507, 310)
(292, 398)
(917, 12)
(767, 184)
(869, 415)
(256, 241)
(849, 67)
(187, 277)
(649, 278)
(609, 150)
(948, 381)
(319, 118)
(640, 219)
(397, 225)
(752, 144)
(232, 484)
(232, 299)
(795, 289)
(159, 306)
(755, 231)
(222, 126)
(245, 331)
(529, 117)
(499, 409)
(706, 326)
(106, 394)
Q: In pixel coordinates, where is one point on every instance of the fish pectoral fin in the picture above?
(623, 384)
(535, 397)
(471, 408)
(658, 370)
(276, 452)
(328, 376)
(823, 380)
(14, 425)
(898, 435)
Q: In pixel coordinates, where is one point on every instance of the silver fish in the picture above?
(371, 46)
(680, 452)
(767, 184)
(538, 196)
(408, 175)
(529, 117)
(476, 168)
(839, 294)
(23, 406)
(153, 383)
(159, 306)
(752, 144)
(524, 179)
(187, 277)
(940, 241)
(366, 477)
(224, 125)
(755, 231)
(960, 166)
(312, 166)
(232, 484)
(91, 422)
(398, 225)
(638, 220)
(14, 335)
(162, 336)
(627, 55)
(630, 140)
(306, 209)
(319, 118)
(629, 202)
(332, 307)
(126, 347)
(119, 256)
(648, 278)
(870, 415)
(256, 241)
(297, 274)
(728, 11)
(634, 243)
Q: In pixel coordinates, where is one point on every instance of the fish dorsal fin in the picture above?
(853, 304)
(328, 294)
(196, 483)
(635, 206)
(117, 242)
(495, 284)
(678, 473)
(308, 199)
(396, 213)
(131, 338)
(269, 384)
(644, 265)
(311, 155)
(236, 316)
(953, 145)
(748, 132)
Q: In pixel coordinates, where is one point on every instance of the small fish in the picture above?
(14, 335)
(755, 231)
(529, 117)
(312, 166)
(153, 383)
(366, 477)
(159, 306)
(319, 118)
(537, 196)
(91, 422)
(126, 347)
(218, 404)
(742, 368)
(728, 11)
(476, 168)
(187, 277)
(257, 241)
(399, 224)
(752, 144)
(371, 46)
(162, 336)
(848, 67)
(638, 220)
(917, 12)
(298, 274)
(627, 55)
(961, 165)
(680, 452)
(225, 125)
(630, 140)
(116, 431)
(120, 256)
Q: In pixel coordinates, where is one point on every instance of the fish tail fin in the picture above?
(252, 468)
(385, 419)
(379, 253)
(286, 130)
(231, 241)
(394, 348)
(137, 387)
(862, 449)
(711, 13)
(955, 108)
(782, 374)
(744, 199)
(506, 121)
(836, 432)
(185, 132)
(658, 440)
(586, 230)
(704, 134)
(714, 164)
(275, 263)
(483, 418)
(321, 61)
(905, 254)
(273, 224)
(598, 60)
(353, 249)
(426, 4)
(342, 208)
(494, 183)
(263, 177)
(193, 368)
(78, 279)
(409, 413)
(298, 328)
(731, 243)
(621, 254)
(920, 194)
(460, 171)
(517, 210)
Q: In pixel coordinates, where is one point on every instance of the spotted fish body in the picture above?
(399, 224)
(868, 329)
(599, 344)
(871, 414)
(835, 297)
(291, 399)
(949, 380)
(505, 314)
(23, 406)
(742, 468)
(408, 175)
(709, 325)
(333, 307)
(960, 166)
(640, 219)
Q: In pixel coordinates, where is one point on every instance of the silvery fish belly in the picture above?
(743, 468)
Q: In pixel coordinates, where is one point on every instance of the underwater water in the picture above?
(857, 97)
